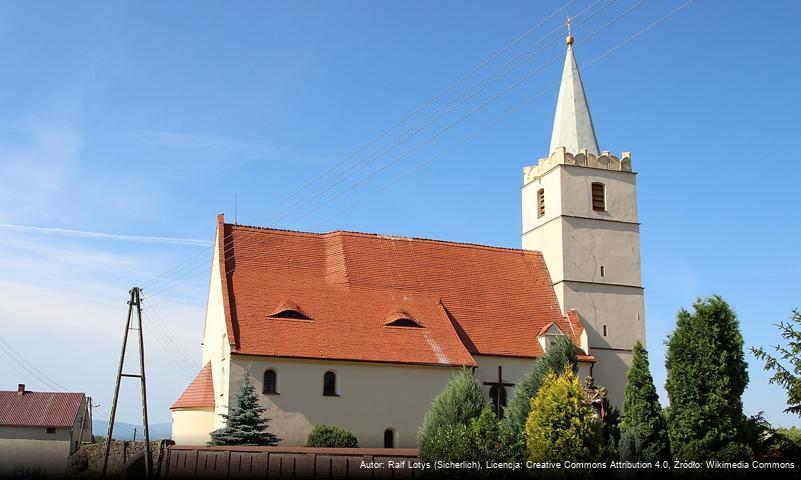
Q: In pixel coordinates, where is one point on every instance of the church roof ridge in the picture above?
(384, 236)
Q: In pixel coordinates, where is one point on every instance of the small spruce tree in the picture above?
(245, 424)
(706, 377)
(643, 427)
(562, 423)
(459, 402)
(786, 364)
(562, 352)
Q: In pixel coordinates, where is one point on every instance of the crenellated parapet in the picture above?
(605, 161)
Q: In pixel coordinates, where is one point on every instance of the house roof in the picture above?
(470, 299)
(39, 409)
(199, 393)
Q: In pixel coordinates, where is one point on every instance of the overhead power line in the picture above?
(178, 268)
(227, 250)
(422, 164)
(373, 174)
(27, 370)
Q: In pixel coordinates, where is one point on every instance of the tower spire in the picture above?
(572, 124)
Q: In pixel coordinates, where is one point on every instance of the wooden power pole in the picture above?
(134, 302)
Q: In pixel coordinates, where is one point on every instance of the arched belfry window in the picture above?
(270, 382)
(540, 202)
(598, 197)
(389, 438)
(330, 384)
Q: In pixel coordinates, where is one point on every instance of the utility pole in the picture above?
(136, 302)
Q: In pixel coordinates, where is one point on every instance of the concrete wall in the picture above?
(24, 451)
(192, 426)
(372, 397)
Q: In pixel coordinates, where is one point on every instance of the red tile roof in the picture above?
(39, 409)
(199, 393)
(471, 299)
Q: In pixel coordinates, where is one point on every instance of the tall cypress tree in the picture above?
(706, 377)
(245, 424)
(643, 427)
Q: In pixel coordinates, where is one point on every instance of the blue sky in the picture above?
(146, 119)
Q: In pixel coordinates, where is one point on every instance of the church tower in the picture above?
(580, 211)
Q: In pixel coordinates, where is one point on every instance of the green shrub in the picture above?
(331, 437)
(480, 440)
(562, 423)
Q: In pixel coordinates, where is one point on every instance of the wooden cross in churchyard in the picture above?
(500, 392)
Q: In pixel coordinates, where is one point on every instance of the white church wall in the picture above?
(192, 426)
(544, 234)
(513, 370)
(372, 397)
(551, 183)
(590, 244)
(620, 188)
(216, 345)
(610, 371)
(620, 308)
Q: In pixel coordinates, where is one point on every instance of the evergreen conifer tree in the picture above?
(561, 352)
(245, 424)
(706, 377)
(643, 427)
(459, 402)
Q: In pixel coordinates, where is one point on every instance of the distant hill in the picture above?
(124, 431)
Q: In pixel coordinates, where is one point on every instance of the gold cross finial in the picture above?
(569, 39)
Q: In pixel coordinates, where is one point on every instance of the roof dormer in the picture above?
(289, 311)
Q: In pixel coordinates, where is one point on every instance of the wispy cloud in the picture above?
(208, 143)
(104, 236)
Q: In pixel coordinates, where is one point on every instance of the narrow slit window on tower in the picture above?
(540, 202)
(605, 330)
(598, 197)
(603, 271)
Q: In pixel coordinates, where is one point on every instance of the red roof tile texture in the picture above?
(199, 393)
(470, 299)
(39, 409)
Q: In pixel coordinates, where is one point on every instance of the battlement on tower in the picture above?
(560, 156)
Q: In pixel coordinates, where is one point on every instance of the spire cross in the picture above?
(569, 38)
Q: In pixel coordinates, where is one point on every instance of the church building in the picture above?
(364, 330)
